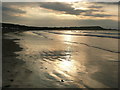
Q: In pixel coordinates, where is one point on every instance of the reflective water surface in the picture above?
(68, 59)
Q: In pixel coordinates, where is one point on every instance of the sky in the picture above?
(58, 13)
(58, 0)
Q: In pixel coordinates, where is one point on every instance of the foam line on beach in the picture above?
(85, 44)
(94, 47)
(42, 35)
(117, 33)
(115, 37)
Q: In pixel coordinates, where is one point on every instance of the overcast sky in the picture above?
(76, 13)
(58, 0)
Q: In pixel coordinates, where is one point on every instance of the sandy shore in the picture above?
(11, 66)
(44, 60)
(9, 61)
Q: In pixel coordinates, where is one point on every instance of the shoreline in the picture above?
(9, 61)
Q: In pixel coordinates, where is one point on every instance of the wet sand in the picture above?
(44, 60)
(11, 66)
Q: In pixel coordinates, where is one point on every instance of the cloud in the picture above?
(13, 10)
(102, 0)
(65, 8)
(68, 9)
(62, 7)
(98, 15)
(107, 3)
(25, 0)
(9, 13)
(94, 6)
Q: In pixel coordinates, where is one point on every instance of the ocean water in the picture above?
(68, 59)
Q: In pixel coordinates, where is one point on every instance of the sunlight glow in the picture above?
(68, 37)
(69, 0)
(67, 66)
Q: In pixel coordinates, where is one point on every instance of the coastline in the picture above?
(10, 63)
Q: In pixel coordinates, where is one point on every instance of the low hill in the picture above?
(8, 26)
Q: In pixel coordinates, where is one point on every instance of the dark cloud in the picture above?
(68, 9)
(57, 6)
(19, 4)
(12, 10)
(107, 3)
(97, 15)
(63, 7)
(94, 6)
(8, 14)
(102, 15)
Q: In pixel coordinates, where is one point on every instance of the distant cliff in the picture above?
(14, 27)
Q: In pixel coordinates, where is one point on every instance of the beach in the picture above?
(60, 59)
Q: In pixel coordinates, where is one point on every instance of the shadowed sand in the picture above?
(11, 66)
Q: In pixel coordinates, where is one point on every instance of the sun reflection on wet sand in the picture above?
(68, 37)
(67, 66)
